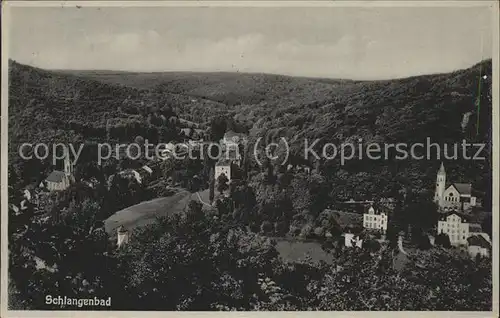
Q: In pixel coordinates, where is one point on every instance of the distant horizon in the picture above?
(248, 73)
(358, 43)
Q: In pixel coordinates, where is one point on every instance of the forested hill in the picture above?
(407, 110)
(431, 105)
(48, 106)
(402, 110)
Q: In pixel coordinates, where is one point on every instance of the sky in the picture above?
(332, 42)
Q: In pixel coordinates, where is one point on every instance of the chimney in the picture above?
(123, 236)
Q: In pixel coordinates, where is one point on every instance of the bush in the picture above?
(306, 231)
(294, 230)
(443, 240)
(281, 228)
(319, 232)
(266, 227)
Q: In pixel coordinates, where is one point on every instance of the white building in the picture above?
(477, 244)
(352, 240)
(223, 167)
(457, 227)
(123, 236)
(456, 196)
(375, 221)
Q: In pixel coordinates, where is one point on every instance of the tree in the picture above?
(222, 181)
(218, 127)
(195, 210)
(211, 185)
(443, 240)
(194, 184)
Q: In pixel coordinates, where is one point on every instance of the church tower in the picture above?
(440, 184)
(68, 167)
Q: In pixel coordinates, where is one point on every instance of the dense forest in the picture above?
(199, 262)
(408, 110)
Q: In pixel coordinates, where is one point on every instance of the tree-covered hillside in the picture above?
(446, 108)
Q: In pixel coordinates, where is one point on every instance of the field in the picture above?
(293, 251)
(146, 212)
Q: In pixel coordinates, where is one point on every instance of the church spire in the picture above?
(441, 169)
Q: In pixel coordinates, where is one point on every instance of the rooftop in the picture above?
(478, 240)
(464, 217)
(56, 176)
(475, 228)
(463, 188)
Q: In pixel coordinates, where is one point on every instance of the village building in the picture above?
(232, 140)
(139, 175)
(352, 240)
(478, 245)
(375, 221)
(166, 152)
(192, 133)
(458, 228)
(455, 196)
(223, 166)
(122, 236)
(60, 180)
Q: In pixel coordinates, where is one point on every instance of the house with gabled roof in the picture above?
(59, 180)
(477, 244)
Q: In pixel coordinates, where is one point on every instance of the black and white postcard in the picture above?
(263, 156)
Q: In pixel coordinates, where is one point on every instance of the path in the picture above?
(400, 245)
(203, 193)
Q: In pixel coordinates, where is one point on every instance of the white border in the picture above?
(193, 3)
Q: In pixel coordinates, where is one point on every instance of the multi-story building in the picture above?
(375, 221)
(458, 228)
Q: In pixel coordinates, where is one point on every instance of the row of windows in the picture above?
(452, 219)
(372, 218)
(453, 231)
(375, 222)
(452, 199)
(452, 225)
(456, 238)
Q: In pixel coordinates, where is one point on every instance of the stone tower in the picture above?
(440, 185)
